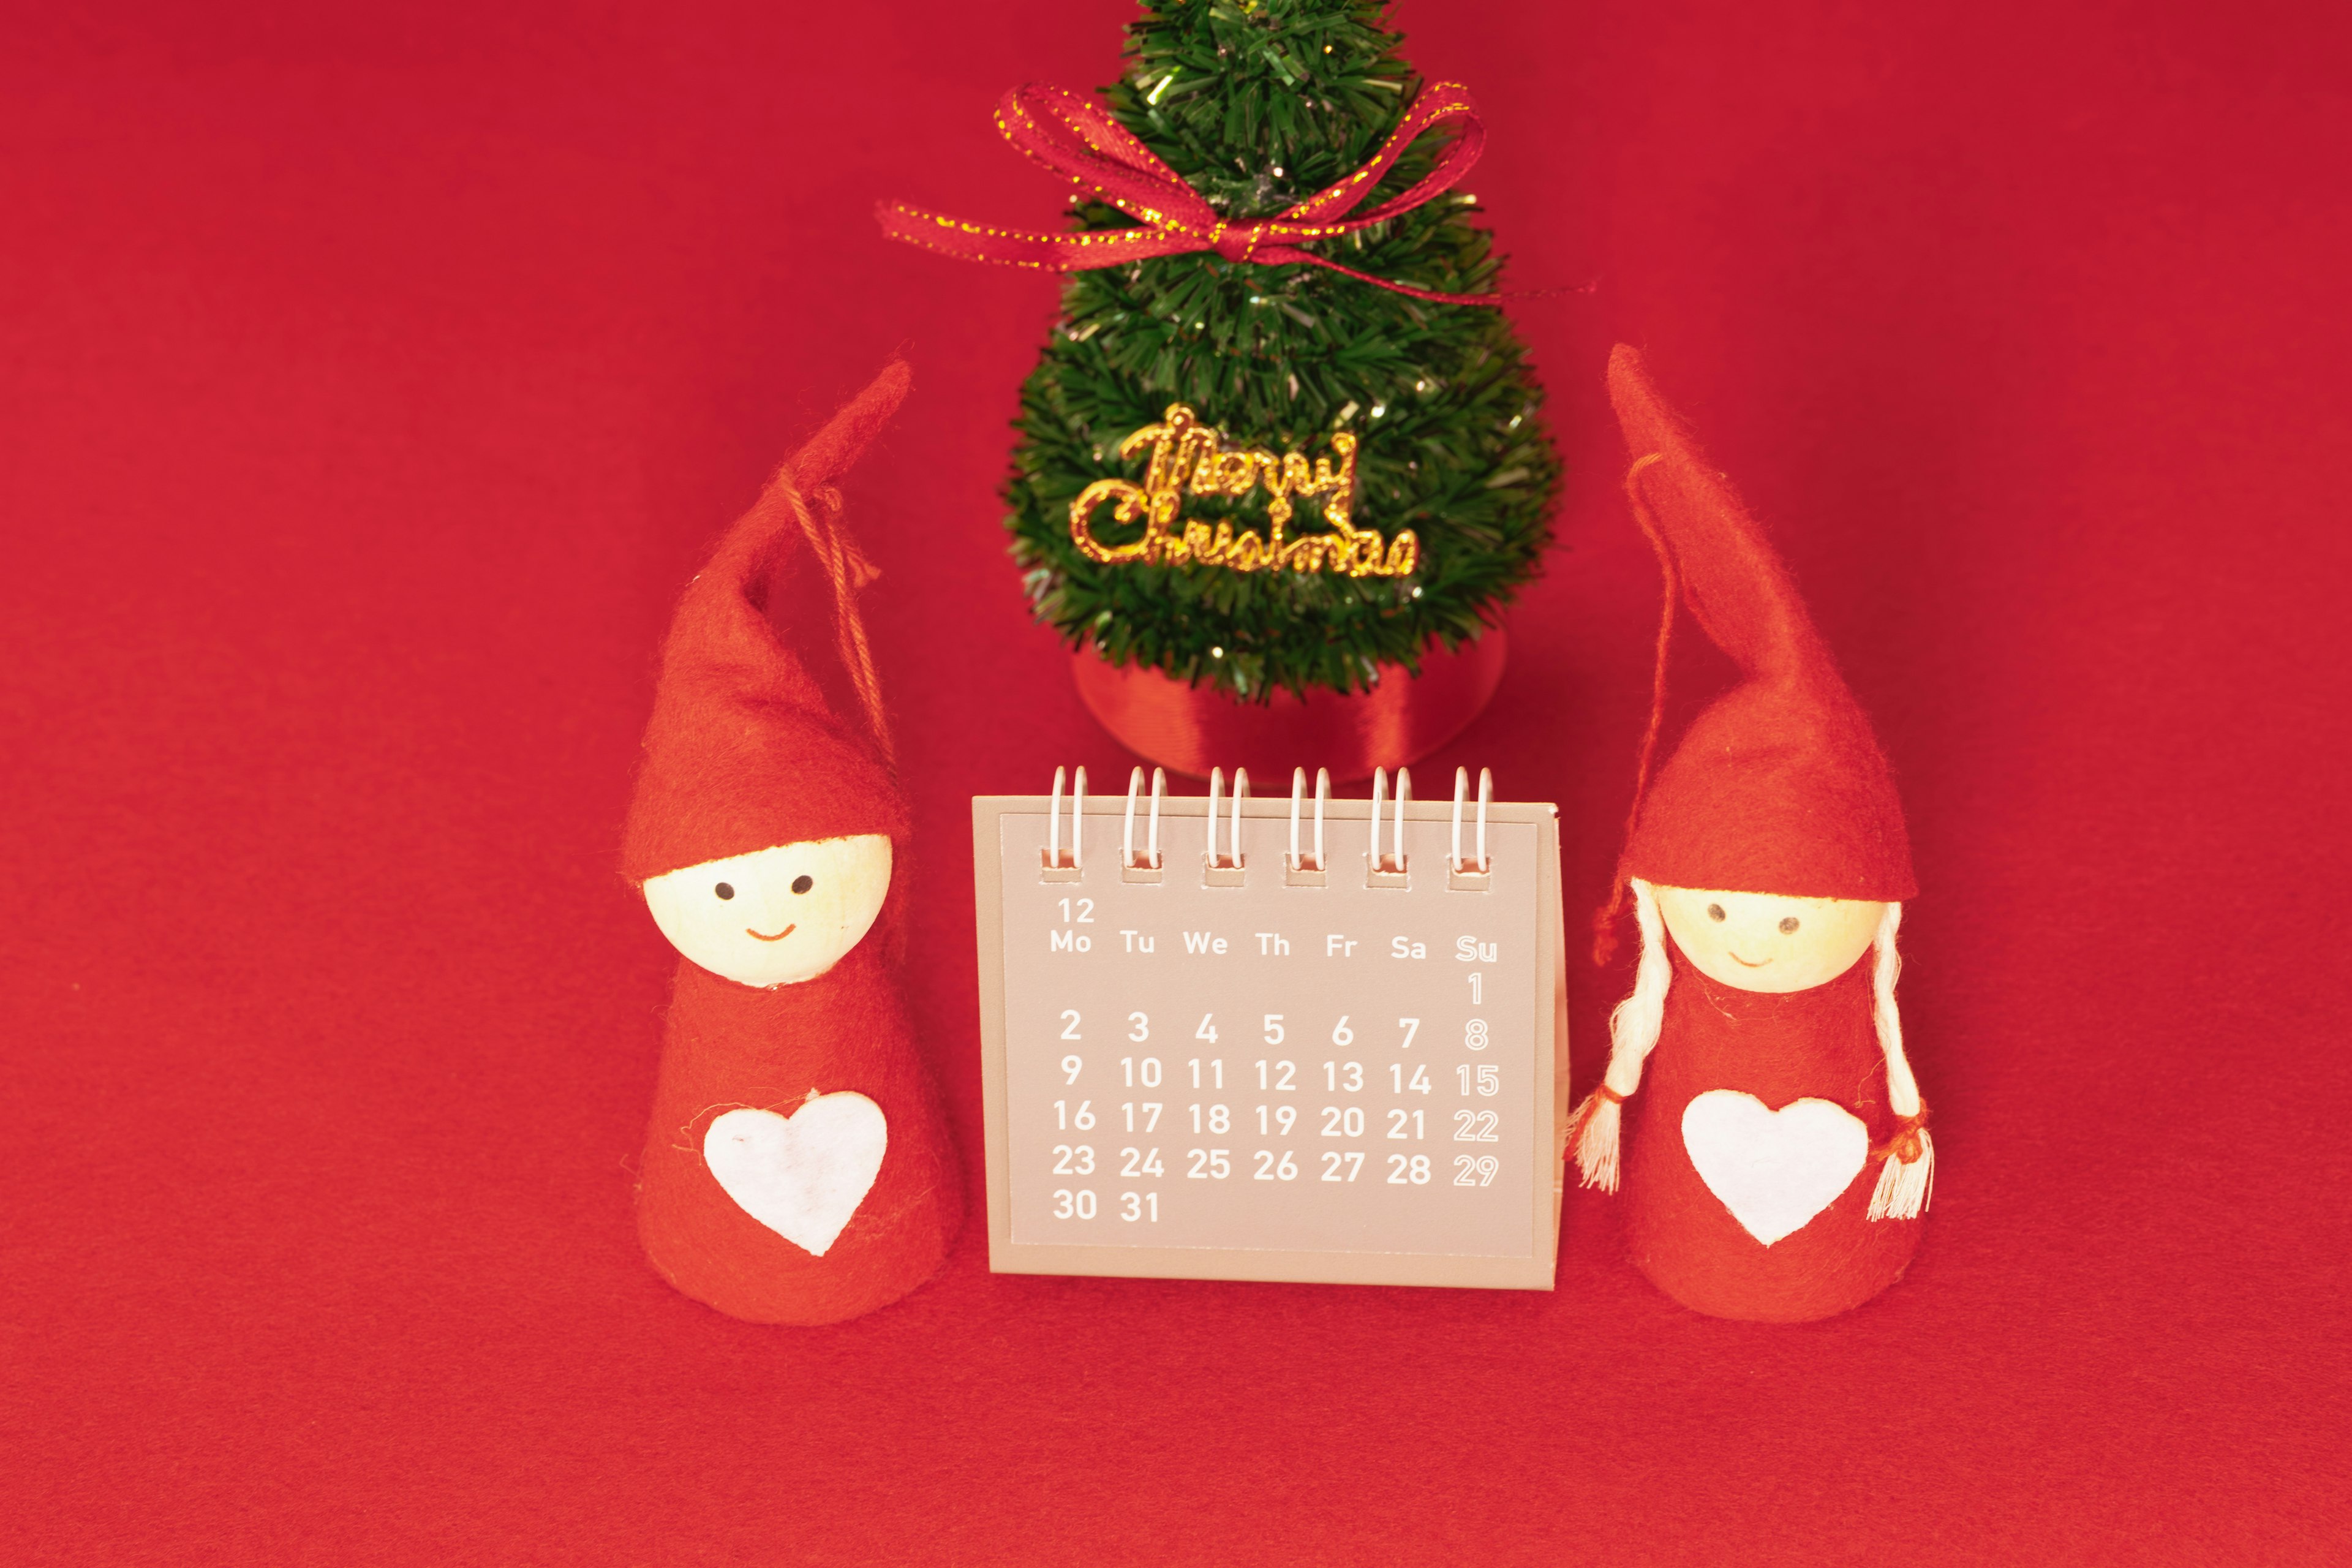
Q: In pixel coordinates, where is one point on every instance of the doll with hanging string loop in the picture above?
(1778, 1162)
(798, 1169)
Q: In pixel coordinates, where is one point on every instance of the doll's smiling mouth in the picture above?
(763, 936)
(1744, 964)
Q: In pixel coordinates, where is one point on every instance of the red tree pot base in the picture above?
(1189, 730)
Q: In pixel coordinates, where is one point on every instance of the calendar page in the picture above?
(1246, 1067)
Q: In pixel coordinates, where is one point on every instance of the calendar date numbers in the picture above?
(1409, 1171)
(1142, 1090)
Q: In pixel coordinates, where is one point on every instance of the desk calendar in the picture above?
(1293, 1038)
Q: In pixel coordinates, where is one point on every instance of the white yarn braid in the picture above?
(1904, 1186)
(1633, 1034)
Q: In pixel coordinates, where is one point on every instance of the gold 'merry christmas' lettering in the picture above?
(1189, 455)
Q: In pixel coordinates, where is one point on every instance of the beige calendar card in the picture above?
(1243, 1060)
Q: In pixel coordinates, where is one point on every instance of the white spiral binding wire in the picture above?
(1387, 861)
(1127, 839)
(1300, 862)
(1053, 822)
(1392, 864)
(1216, 792)
(1078, 860)
(1151, 861)
(1481, 866)
(1233, 837)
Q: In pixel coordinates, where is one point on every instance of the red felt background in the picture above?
(371, 379)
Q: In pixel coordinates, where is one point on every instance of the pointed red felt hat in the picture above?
(744, 752)
(1779, 785)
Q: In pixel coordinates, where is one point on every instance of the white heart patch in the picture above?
(804, 1175)
(1774, 1169)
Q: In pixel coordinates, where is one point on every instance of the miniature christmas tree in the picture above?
(1293, 372)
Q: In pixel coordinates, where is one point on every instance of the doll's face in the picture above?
(1761, 942)
(776, 916)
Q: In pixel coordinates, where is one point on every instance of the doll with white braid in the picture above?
(1778, 1162)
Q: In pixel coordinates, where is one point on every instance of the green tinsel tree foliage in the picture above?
(1258, 104)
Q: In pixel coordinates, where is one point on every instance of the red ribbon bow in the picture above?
(1080, 141)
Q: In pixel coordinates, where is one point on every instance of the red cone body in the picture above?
(1815, 1044)
(728, 1045)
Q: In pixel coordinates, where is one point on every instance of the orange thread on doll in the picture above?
(1604, 923)
(849, 571)
(1908, 1138)
(1601, 1095)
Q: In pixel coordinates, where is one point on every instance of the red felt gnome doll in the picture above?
(1779, 1159)
(798, 1169)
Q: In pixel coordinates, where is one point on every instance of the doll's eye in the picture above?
(802, 884)
(724, 889)
(1715, 911)
(1788, 925)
